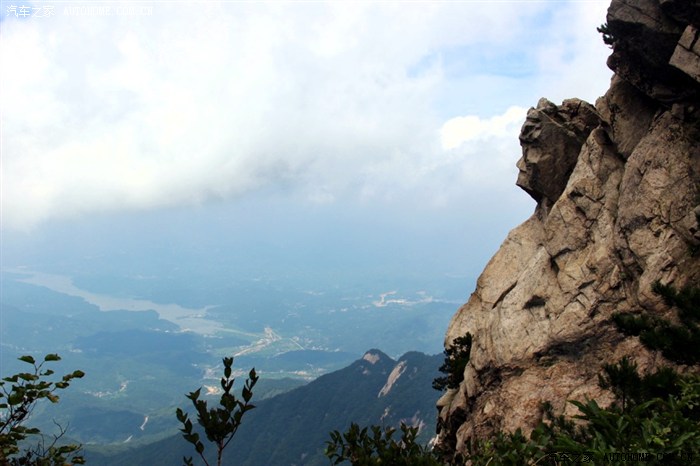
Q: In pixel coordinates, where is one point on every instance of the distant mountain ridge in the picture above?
(292, 428)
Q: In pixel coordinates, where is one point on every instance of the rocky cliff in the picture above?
(618, 206)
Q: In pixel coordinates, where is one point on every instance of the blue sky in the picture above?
(406, 110)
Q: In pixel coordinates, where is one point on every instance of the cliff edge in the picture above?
(618, 208)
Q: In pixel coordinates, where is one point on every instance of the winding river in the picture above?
(186, 318)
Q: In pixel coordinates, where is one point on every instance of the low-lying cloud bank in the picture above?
(326, 101)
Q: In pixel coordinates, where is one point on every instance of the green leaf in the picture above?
(27, 359)
(28, 377)
(194, 396)
(15, 398)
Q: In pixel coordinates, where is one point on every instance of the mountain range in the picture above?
(292, 428)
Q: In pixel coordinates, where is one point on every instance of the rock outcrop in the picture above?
(617, 187)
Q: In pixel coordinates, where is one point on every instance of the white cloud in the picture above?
(209, 101)
(471, 128)
(571, 66)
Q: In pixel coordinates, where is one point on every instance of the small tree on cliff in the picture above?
(456, 359)
(678, 342)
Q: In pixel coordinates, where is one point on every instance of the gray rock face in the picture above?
(551, 139)
(686, 56)
(618, 189)
(645, 37)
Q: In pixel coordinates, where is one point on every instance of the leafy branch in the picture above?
(220, 423)
(19, 394)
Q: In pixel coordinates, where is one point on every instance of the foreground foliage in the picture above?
(19, 394)
(661, 430)
(221, 423)
(375, 446)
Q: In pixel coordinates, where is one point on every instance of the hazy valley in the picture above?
(145, 341)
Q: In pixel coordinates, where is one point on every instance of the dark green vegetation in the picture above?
(664, 429)
(679, 342)
(608, 38)
(19, 394)
(376, 446)
(219, 424)
(456, 359)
